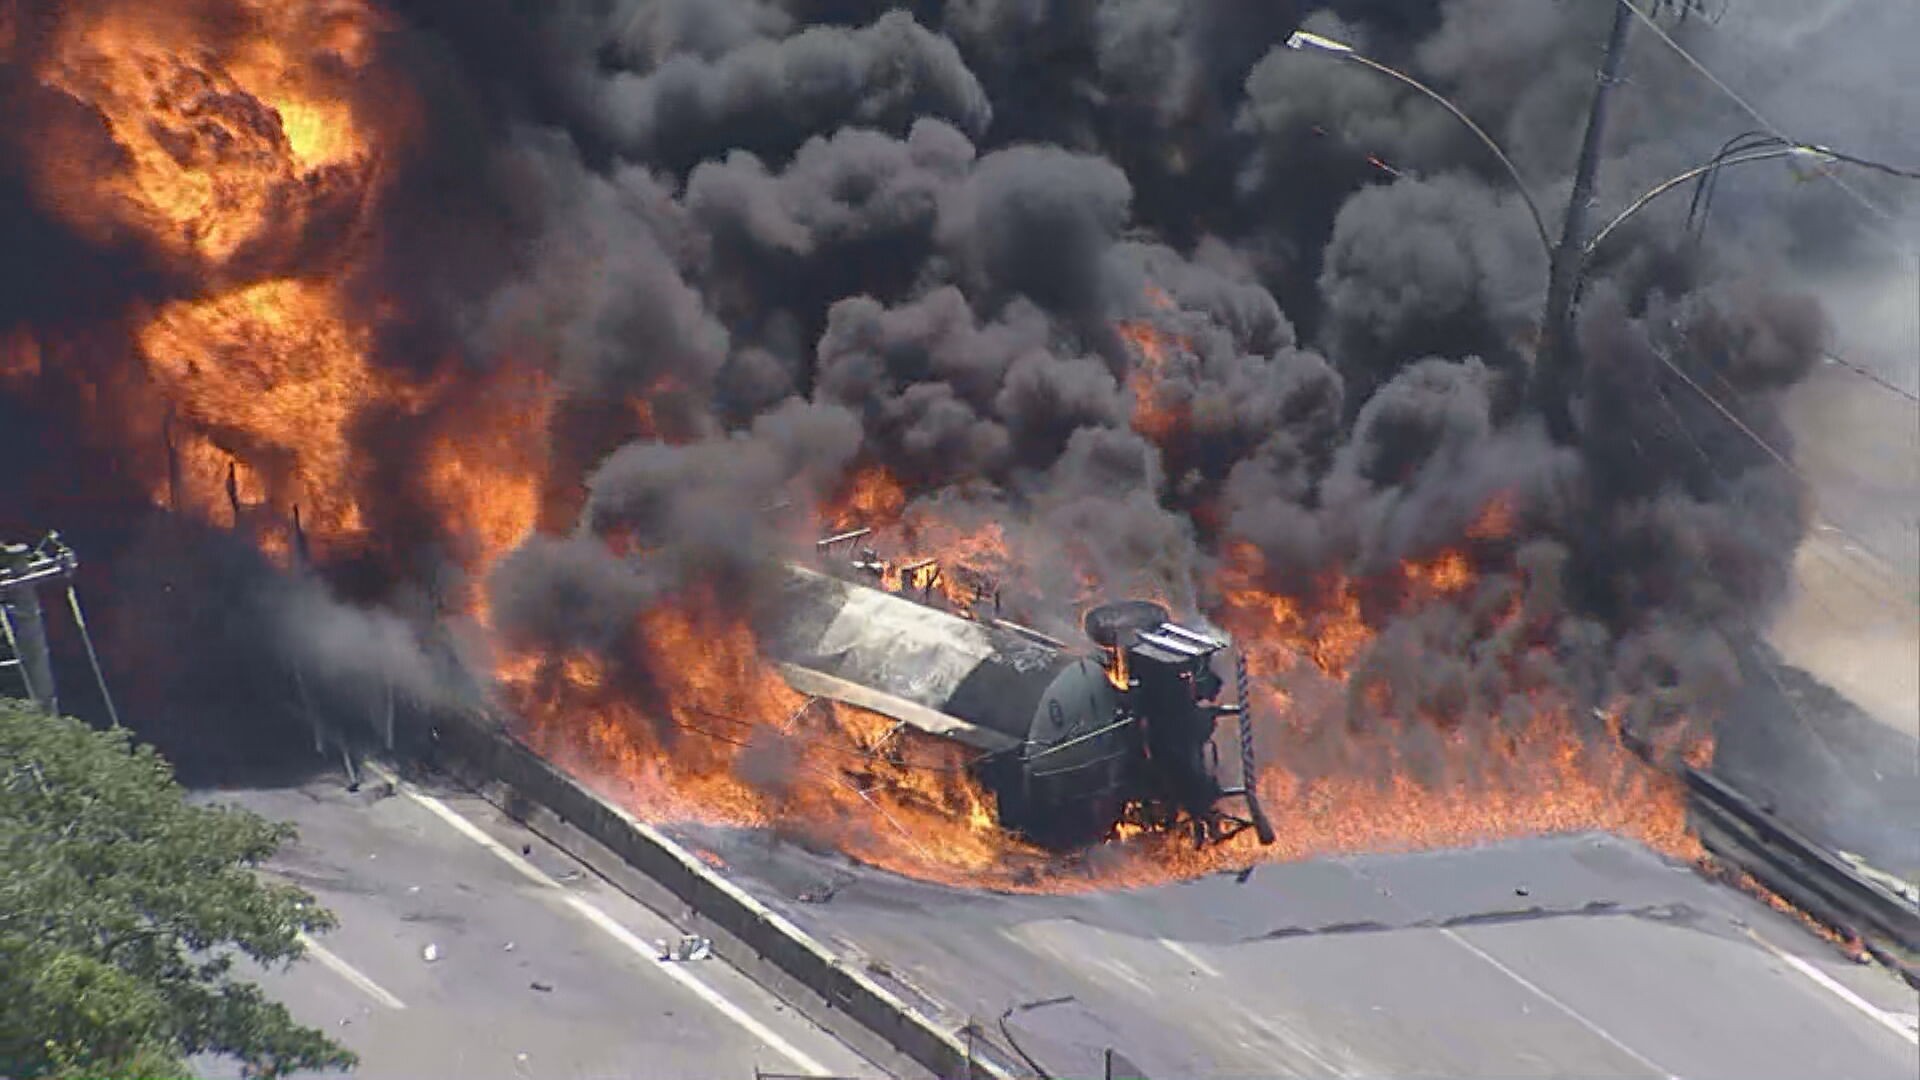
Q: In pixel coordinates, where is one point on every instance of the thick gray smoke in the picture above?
(801, 237)
(908, 237)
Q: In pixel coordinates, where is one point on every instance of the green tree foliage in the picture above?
(123, 910)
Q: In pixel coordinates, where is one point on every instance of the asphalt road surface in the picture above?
(1562, 957)
(542, 970)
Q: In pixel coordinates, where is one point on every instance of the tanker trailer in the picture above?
(1072, 742)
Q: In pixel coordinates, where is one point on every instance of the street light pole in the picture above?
(1558, 355)
(1302, 41)
(1557, 362)
(1664, 186)
(1558, 359)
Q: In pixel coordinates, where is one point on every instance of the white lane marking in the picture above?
(605, 923)
(1199, 962)
(1603, 1033)
(1298, 1044)
(348, 972)
(1878, 1015)
(679, 973)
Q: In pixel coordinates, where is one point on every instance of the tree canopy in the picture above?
(123, 910)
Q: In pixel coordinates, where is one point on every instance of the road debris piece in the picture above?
(430, 953)
(689, 947)
(543, 987)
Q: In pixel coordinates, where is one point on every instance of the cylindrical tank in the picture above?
(1048, 721)
(1069, 783)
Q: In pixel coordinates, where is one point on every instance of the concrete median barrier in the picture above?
(657, 870)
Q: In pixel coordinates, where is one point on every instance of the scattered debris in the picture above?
(689, 947)
(508, 947)
(545, 988)
(818, 895)
(413, 888)
(567, 875)
(1520, 890)
(1892, 883)
(430, 953)
(1242, 877)
(526, 849)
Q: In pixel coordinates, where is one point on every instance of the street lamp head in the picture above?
(1301, 39)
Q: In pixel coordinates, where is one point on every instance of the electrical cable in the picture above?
(1871, 377)
(1734, 419)
(1772, 128)
(1773, 676)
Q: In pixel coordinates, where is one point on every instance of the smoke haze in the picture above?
(748, 247)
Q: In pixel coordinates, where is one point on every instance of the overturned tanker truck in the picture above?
(1073, 743)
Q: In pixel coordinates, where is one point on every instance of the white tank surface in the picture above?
(973, 682)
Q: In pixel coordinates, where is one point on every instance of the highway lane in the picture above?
(1572, 956)
(541, 969)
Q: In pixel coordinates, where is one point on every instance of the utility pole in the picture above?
(1557, 366)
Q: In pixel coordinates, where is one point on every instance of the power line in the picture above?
(1770, 126)
(1753, 631)
(1782, 459)
(1873, 560)
(1866, 203)
(1871, 377)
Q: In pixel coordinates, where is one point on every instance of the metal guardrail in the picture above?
(1812, 878)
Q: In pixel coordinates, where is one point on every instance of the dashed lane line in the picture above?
(606, 923)
(348, 972)
(1829, 983)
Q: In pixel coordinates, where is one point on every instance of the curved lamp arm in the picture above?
(1304, 41)
(1673, 182)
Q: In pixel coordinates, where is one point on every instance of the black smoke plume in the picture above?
(814, 235)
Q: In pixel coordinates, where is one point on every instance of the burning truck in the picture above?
(1074, 743)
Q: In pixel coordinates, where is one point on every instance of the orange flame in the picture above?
(19, 357)
(242, 157)
(1482, 778)
(1495, 520)
(272, 374)
(242, 160)
(1159, 421)
(719, 737)
(872, 498)
(1848, 944)
(219, 148)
